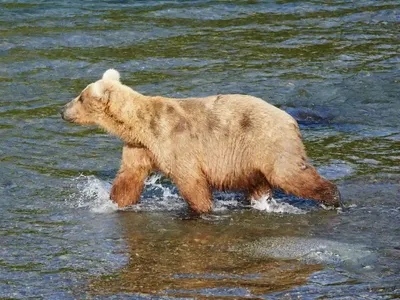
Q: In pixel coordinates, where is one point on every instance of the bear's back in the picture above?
(235, 113)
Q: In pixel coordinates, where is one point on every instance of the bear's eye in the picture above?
(80, 99)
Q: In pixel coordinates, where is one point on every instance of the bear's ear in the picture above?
(98, 89)
(111, 74)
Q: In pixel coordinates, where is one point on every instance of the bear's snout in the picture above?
(64, 113)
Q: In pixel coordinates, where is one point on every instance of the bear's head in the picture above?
(88, 108)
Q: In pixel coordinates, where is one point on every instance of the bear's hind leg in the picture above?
(303, 180)
(260, 190)
(136, 165)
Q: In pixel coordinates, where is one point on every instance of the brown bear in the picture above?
(226, 142)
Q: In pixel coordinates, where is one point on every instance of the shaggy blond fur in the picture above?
(236, 142)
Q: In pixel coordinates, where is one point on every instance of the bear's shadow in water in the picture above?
(308, 117)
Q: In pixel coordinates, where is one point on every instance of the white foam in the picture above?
(270, 205)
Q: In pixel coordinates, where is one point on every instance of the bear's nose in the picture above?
(62, 112)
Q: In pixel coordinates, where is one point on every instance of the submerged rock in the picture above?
(312, 250)
(307, 116)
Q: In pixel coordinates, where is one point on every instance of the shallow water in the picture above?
(334, 65)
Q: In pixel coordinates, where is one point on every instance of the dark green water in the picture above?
(334, 65)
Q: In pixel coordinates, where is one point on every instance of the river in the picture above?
(333, 65)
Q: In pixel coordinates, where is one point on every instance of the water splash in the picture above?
(270, 205)
(94, 194)
(228, 202)
(159, 197)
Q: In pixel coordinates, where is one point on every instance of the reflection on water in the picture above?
(334, 65)
(189, 257)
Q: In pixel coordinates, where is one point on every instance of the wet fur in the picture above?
(226, 142)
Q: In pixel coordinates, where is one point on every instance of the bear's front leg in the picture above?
(196, 191)
(137, 163)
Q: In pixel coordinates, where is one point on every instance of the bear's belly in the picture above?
(237, 180)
